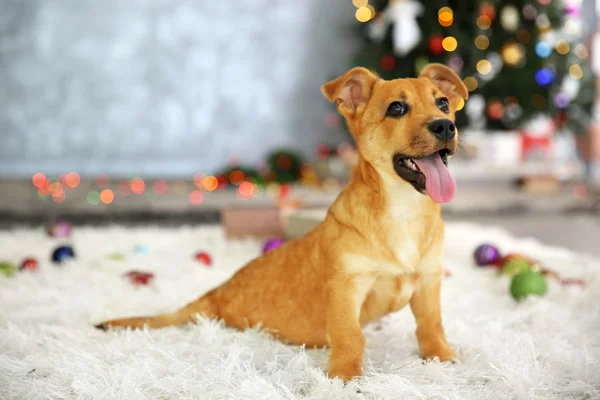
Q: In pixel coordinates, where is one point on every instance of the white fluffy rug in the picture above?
(543, 348)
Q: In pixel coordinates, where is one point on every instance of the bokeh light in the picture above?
(332, 120)
(72, 179)
(124, 188)
(160, 186)
(102, 180)
(210, 183)
(179, 187)
(107, 196)
(544, 76)
(60, 198)
(360, 3)
(543, 50)
(484, 22)
(581, 51)
(482, 42)
(137, 185)
(196, 197)
(562, 47)
(461, 104)
(56, 189)
(484, 67)
(445, 16)
(363, 14)
(575, 71)
(322, 151)
(471, 83)
(538, 101)
(198, 178)
(93, 197)
(523, 36)
(246, 189)
(388, 63)
(450, 43)
(236, 177)
(39, 180)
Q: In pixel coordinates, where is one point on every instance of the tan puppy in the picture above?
(380, 246)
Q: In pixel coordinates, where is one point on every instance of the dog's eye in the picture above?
(397, 109)
(443, 104)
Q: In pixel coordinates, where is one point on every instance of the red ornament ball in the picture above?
(388, 63)
(203, 257)
(435, 44)
(139, 278)
(29, 264)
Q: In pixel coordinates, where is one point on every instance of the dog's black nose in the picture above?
(442, 129)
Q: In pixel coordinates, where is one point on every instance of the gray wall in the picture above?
(164, 88)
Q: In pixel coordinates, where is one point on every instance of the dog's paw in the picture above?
(442, 353)
(346, 372)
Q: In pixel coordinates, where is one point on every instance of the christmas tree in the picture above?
(517, 58)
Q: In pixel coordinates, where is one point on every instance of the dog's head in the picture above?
(404, 127)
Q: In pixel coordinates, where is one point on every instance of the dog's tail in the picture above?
(206, 306)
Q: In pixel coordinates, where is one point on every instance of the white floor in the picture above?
(543, 348)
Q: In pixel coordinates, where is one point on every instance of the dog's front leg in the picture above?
(425, 305)
(345, 296)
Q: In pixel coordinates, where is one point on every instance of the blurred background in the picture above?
(203, 112)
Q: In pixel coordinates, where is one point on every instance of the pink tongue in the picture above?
(439, 181)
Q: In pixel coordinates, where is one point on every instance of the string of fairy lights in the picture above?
(106, 190)
(511, 53)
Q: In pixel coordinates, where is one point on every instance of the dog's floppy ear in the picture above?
(350, 91)
(447, 81)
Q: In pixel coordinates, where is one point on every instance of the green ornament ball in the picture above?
(515, 267)
(7, 269)
(527, 283)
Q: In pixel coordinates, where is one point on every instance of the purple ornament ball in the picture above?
(272, 244)
(486, 254)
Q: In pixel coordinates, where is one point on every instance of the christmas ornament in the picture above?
(406, 33)
(527, 283)
(435, 44)
(486, 254)
(203, 257)
(487, 9)
(509, 18)
(512, 54)
(62, 253)
(272, 244)
(29, 264)
(60, 229)
(7, 269)
(141, 249)
(117, 257)
(515, 267)
(139, 278)
(388, 63)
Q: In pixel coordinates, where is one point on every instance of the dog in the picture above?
(381, 244)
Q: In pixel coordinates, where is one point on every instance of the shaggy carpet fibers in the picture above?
(541, 348)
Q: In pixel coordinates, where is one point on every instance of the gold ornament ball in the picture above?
(512, 54)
